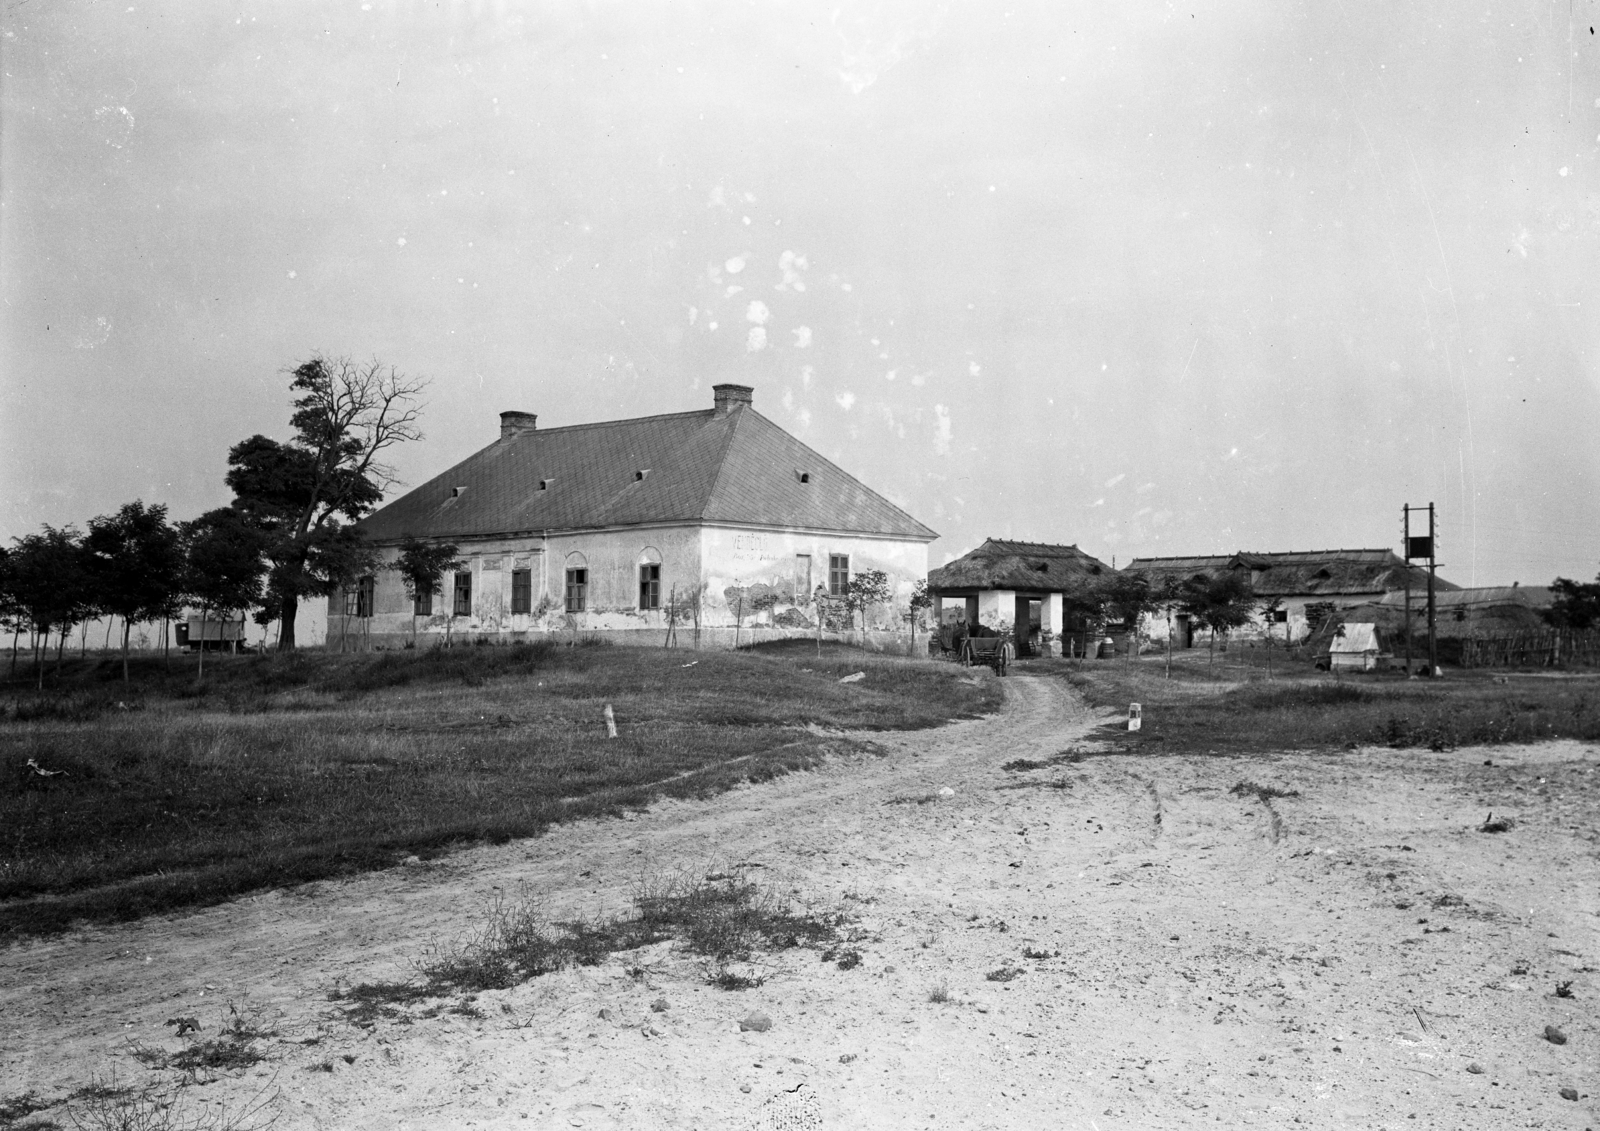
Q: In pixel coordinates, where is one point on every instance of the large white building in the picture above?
(599, 528)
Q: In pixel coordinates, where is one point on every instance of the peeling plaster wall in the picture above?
(745, 557)
(689, 556)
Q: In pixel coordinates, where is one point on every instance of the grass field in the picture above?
(1228, 708)
(284, 768)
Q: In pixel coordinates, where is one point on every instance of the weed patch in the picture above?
(15, 1110)
(1264, 792)
(235, 1047)
(107, 1106)
(724, 920)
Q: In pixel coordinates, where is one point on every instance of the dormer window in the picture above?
(1322, 575)
(803, 476)
(638, 476)
(457, 492)
(544, 484)
(1042, 567)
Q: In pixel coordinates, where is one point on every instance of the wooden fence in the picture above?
(1544, 649)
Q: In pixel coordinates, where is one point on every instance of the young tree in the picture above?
(734, 596)
(1127, 597)
(921, 600)
(1269, 612)
(10, 612)
(421, 566)
(1224, 602)
(348, 558)
(867, 588)
(762, 598)
(136, 562)
(224, 563)
(50, 587)
(303, 492)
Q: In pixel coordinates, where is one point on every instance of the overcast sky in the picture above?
(1150, 278)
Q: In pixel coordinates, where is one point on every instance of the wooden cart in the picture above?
(996, 651)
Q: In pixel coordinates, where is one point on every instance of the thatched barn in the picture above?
(1319, 580)
(1024, 587)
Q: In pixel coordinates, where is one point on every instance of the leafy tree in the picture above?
(10, 612)
(224, 564)
(421, 566)
(1576, 604)
(921, 600)
(136, 562)
(302, 493)
(867, 588)
(346, 561)
(49, 586)
(1225, 601)
(1128, 597)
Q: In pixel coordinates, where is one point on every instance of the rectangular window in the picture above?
(838, 574)
(802, 577)
(522, 591)
(422, 604)
(358, 601)
(463, 601)
(649, 587)
(577, 590)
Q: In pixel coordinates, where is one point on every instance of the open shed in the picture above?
(1022, 587)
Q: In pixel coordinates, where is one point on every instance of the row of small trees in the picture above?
(132, 565)
(286, 536)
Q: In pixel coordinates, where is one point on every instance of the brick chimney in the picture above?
(730, 397)
(516, 423)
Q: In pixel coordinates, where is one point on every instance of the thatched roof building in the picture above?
(1019, 587)
(1311, 574)
(1032, 566)
(1304, 582)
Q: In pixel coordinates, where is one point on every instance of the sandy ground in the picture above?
(1338, 959)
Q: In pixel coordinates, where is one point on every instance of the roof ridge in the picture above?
(722, 459)
(612, 423)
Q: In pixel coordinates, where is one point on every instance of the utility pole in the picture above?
(1433, 569)
(1406, 542)
(1422, 546)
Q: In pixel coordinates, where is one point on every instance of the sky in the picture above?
(1147, 278)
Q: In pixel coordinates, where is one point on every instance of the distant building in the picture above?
(599, 528)
(1026, 587)
(1354, 648)
(1329, 579)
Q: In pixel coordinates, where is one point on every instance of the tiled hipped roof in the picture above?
(734, 467)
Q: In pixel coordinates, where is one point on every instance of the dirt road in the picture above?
(1341, 958)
